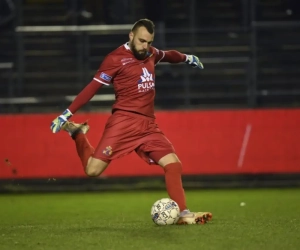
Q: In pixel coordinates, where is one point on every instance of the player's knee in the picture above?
(168, 159)
(92, 171)
(95, 167)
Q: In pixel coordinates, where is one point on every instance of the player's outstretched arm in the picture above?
(81, 99)
(174, 56)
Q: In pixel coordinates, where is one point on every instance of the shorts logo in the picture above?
(105, 77)
(146, 82)
(107, 151)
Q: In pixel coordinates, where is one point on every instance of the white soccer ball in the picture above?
(165, 212)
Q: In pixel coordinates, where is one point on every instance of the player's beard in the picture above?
(139, 54)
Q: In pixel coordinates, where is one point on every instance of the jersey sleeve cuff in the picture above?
(105, 83)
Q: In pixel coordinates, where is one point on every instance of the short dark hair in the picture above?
(148, 24)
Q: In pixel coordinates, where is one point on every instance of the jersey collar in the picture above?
(126, 45)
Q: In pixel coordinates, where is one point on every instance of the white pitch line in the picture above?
(244, 145)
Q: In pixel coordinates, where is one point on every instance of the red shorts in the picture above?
(126, 132)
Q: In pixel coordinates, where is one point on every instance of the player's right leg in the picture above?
(92, 166)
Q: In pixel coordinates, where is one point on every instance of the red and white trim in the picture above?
(105, 83)
(126, 45)
(161, 57)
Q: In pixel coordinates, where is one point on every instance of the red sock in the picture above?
(84, 149)
(174, 184)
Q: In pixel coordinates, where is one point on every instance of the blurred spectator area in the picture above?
(176, 12)
(246, 65)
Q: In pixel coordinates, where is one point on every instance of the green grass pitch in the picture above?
(121, 220)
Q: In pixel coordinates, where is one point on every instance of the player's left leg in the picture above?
(157, 149)
(171, 164)
(173, 178)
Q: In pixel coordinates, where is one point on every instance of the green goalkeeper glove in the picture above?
(194, 61)
(59, 121)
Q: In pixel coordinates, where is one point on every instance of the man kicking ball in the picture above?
(131, 127)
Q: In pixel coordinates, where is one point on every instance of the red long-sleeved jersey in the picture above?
(133, 79)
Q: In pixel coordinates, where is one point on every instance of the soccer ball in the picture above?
(165, 212)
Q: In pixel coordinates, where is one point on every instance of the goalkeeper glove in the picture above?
(194, 61)
(59, 121)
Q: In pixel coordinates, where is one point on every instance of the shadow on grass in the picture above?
(144, 232)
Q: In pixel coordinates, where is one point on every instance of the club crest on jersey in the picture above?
(107, 151)
(146, 82)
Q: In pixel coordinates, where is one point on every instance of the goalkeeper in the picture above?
(132, 127)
